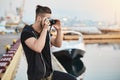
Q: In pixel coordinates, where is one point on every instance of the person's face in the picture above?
(41, 17)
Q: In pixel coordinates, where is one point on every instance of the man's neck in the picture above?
(36, 27)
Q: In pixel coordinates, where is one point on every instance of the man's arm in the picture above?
(37, 44)
(57, 41)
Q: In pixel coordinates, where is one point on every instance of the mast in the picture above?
(20, 9)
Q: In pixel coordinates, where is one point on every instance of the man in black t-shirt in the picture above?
(36, 43)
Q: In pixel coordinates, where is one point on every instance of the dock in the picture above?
(102, 38)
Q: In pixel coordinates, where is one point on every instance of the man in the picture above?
(36, 43)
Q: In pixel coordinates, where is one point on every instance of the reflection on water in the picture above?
(102, 62)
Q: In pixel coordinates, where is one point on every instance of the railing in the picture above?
(9, 62)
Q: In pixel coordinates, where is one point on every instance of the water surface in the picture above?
(102, 62)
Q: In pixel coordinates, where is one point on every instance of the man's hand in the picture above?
(57, 25)
(45, 23)
(57, 41)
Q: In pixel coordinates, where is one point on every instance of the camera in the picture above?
(52, 21)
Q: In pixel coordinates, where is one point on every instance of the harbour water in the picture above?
(102, 62)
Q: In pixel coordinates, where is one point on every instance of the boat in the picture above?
(13, 15)
(87, 30)
(71, 52)
(110, 29)
(4, 30)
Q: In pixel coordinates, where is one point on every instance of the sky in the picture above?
(96, 10)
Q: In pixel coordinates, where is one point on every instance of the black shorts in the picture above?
(57, 75)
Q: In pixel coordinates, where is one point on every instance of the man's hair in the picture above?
(42, 10)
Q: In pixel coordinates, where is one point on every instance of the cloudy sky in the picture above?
(100, 10)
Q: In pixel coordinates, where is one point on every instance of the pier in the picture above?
(102, 38)
(9, 62)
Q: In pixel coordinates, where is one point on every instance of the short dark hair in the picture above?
(42, 10)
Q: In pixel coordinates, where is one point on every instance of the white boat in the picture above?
(87, 30)
(110, 29)
(4, 30)
(71, 52)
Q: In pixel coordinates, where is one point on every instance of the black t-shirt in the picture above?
(39, 64)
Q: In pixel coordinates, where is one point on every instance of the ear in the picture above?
(38, 18)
